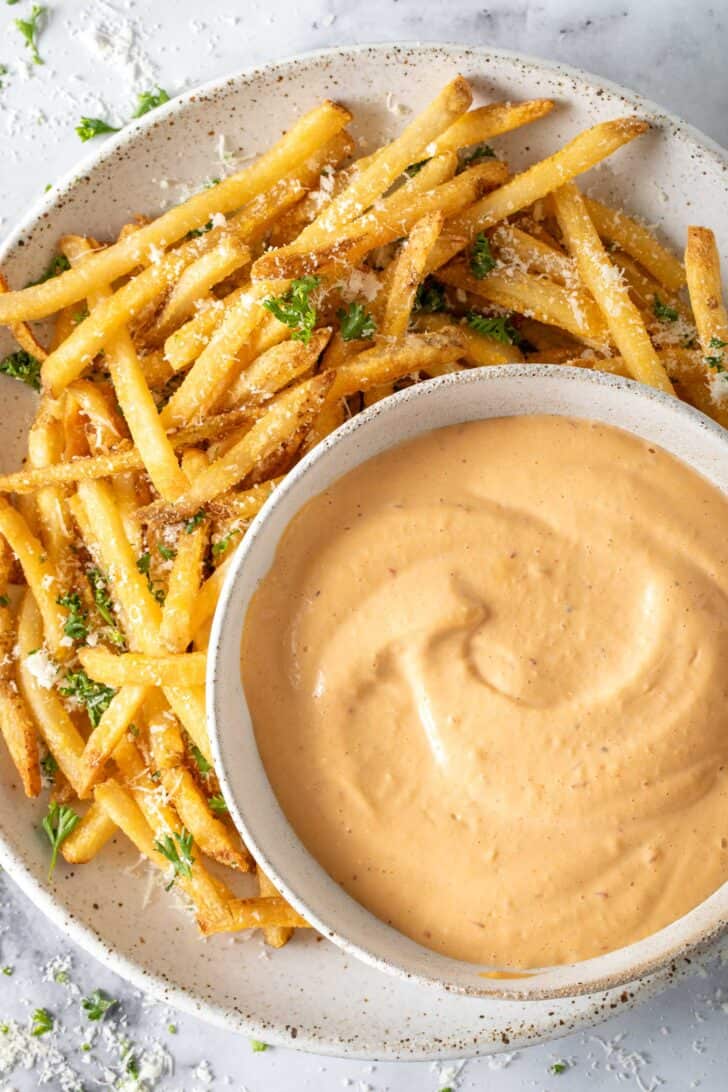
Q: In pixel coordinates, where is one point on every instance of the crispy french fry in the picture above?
(40, 575)
(90, 835)
(276, 368)
(59, 733)
(138, 669)
(639, 242)
(140, 611)
(388, 362)
(275, 935)
(176, 631)
(584, 151)
(22, 333)
(114, 722)
(407, 273)
(573, 310)
(308, 134)
(702, 265)
(213, 837)
(288, 413)
(532, 255)
(612, 295)
(486, 122)
(254, 913)
(16, 723)
(478, 349)
(188, 705)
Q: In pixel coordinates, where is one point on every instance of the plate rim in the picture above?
(153, 983)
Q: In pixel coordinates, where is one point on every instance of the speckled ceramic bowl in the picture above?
(451, 399)
(312, 994)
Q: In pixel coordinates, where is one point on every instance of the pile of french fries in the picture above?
(199, 355)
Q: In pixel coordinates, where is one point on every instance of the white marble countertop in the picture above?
(674, 54)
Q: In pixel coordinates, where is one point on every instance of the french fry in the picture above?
(59, 733)
(275, 935)
(276, 368)
(140, 612)
(188, 705)
(22, 333)
(307, 135)
(94, 830)
(16, 724)
(639, 242)
(612, 295)
(486, 122)
(176, 630)
(40, 575)
(408, 271)
(391, 221)
(254, 913)
(213, 837)
(478, 350)
(195, 284)
(584, 151)
(288, 413)
(330, 417)
(702, 265)
(388, 362)
(517, 247)
(139, 670)
(102, 742)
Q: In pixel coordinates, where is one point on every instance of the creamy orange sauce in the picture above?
(488, 673)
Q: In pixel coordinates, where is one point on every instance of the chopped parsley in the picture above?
(498, 327)
(76, 625)
(3, 72)
(663, 311)
(8, 971)
(172, 1029)
(430, 297)
(42, 1022)
(218, 805)
(24, 366)
(476, 154)
(88, 128)
(257, 1046)
(144, 565)
(222, 544)
(149, 100)
(482, 261)
(58, 824)
(49, 766)
(4, 601)
(200, 761)
(356, 322)
(57, 264)
(177, 848)
(715, 360)
(415, 168)
(558, 1067)
(95, 696)
(61, 977)
(104, 605)
(132, 1067)
(167, 552)
(194, 521)
(210, 182)
(294, 308)
(195, 233)
(30, 28)
(97, 1005)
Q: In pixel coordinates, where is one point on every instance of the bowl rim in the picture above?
(14, 861)
(226, 630)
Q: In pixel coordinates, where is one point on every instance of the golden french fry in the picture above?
(188, 705)
(254, 913)
(637, 241)
(612, 295)
(478, 349)
(104, 738)
(89, 836)
(139, 669)
(276, 368)
(16, 723)
(393, 219)
(287, 414)
(702, 265)
(40, 575)
(408, 271)
(306, 136)
(106, 539)
(486, 122)
(532, 255)
(584, 151)
(195, 284)
(388, 362)
(275, 935)
(22, 333)
(213, 837)
(176, 631)
(35, 679)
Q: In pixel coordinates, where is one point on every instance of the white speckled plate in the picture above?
(311, 994)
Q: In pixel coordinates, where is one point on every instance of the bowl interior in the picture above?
(451, 399)
(317, 998)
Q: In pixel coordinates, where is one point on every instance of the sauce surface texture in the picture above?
(488, 673)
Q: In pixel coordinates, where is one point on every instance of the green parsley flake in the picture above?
(200, 761)
(476, 154)
(57, 265)
(430, 297)
(558, 1067)
(415, 168)
(144, 566)
(218, 805)
(177, 848)
(663, 311)
(167, 552)
(49, 766)
(76, 625)
(172, 1029)
(294, 308)
(714, 360)
(498, 327)
(149, 100)
(42, 1022)
(95, 696)
(257, 1046)
(97, 1005)
(356, 322)
(194, 521)
(482, 261)
(4, 601)
(220, 547)
(58, 824)
(24, 366)
(104, 605)
(30, 28)
(8, 971)
(88, 128)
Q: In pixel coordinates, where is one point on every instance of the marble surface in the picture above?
(98, 55)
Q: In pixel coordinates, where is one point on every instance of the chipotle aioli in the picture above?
(488, 673)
